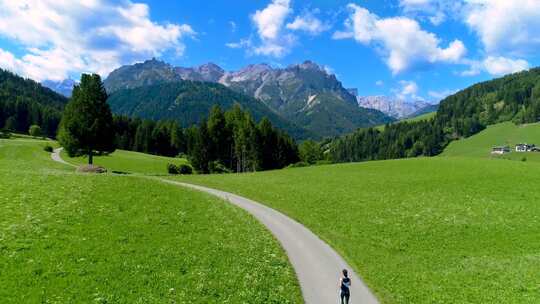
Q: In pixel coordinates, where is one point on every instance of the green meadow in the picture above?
(426, 230)
(503, 134)
(76, 238)
(426, 116)
(129, 162)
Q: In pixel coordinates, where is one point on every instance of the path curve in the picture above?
(57, 158)
(316, 264)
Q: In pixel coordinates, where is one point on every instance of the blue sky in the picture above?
(413, 49)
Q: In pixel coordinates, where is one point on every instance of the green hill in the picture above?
(83, 238)
(424, 230)
(503, 134)
(189, 102)
(422, 117)
(514, 97)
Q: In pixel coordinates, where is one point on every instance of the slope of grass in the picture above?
(502, 134)
(426, 116)
(129, 162)
(428, 230)
(73, 238)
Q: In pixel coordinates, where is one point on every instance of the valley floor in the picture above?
(74, 238)
(427, 230)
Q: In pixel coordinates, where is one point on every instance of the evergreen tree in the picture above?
(199, 154)
(87, 123)
(310, 152)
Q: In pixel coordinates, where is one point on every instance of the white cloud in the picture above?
(379, 83)
(502, 65)
(408, 91)
(243, 43)
(434, 11)
(496, 66)
(269, 23)
(308, 23)
(70, 37)
(505, 26)
(403, 42)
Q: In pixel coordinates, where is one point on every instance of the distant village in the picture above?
(518, 148)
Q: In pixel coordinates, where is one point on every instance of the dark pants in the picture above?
(345, 296)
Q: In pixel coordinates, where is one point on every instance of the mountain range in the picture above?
(396, 107)
(303, 94)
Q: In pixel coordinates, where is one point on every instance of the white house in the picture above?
(500, 150)
(525, 148)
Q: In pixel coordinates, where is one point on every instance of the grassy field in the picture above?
(75, 238)
(129, 162)
(427, 230)
(501, 134)
(426, 116)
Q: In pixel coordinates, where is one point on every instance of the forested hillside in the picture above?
(189, 102)
(24, 102)
(515, 97)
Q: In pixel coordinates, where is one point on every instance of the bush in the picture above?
(181, 169)
(35, 131)
(524, 159)
(217, 167)
(185, 169)
(48, 148)
(173, 169)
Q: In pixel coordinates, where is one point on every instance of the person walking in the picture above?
(344, 285)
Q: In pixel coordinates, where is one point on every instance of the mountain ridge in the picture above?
(304, 94)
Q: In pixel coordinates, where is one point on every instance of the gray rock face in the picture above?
(147, 73)
(209, 72)
(394, 107)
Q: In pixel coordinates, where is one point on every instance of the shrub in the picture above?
(48, 148)
(185, 169)
(179, 169)
(173, 169)
(524, 159)
(34, 131)
(217, 167)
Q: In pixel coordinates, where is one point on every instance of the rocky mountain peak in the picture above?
(394, 107)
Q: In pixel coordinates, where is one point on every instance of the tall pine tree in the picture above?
(87, 123)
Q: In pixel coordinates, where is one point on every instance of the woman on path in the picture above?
(345, 284)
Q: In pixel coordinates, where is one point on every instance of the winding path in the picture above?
(316, 264)
(57, 158)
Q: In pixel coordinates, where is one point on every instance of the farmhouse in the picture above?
(500, 150)
(525, 148)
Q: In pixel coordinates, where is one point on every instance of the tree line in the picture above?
(229, 141)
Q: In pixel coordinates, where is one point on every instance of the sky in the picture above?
(410, 49)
